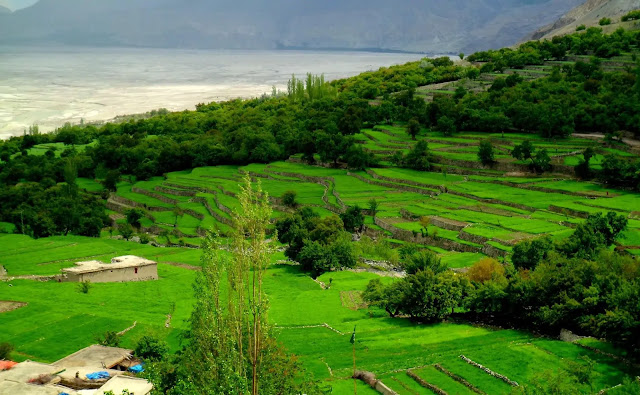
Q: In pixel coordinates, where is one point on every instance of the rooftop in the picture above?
(25, 371)
(94, 358)
(134, 385)
(121, 262)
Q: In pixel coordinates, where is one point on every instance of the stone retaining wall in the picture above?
(394, 186)
(214, 214)
(568, 211)
(490, 372)
(444, 224)
(408, 236)
(375, 175)
(472, 238)
(494, 252)
(162, 198)
(176, 192)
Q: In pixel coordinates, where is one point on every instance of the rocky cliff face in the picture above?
(588, 14)
(410, 25)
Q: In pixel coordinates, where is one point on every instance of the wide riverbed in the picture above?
(51, 86)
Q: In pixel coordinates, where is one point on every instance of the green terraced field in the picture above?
(310, 321)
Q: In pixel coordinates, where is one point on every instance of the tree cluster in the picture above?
(577, 284)
(319, 244)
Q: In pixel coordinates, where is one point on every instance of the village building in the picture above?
(72, 374)
(121, 269)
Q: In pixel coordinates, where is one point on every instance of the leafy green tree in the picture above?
(597, 232)
(134, 216)
(460, 93)
(446, 125)
(353, 219)
(373, 207)
(317, 258)
(542, 161)
(413, 128)
(151, 349)
(424, 260)
(125, 230)
(523, 151)
(486, 155)
(359, 159)
(527, 254)
(111, 180)
(418, 157)
(289, 199)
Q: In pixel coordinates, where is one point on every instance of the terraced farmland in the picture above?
(468, 216)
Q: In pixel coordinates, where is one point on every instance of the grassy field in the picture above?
(312, 322)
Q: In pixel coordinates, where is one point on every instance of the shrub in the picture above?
(485, 153)
(134, 216)
(144, 238)
(109, 339)
(125, 230)
(84, 287)
(485, 269)
(631, 16)
(604, 21)
(580, 28)
(5, 350)
(289, 199)
(151, 349)
(413, 128)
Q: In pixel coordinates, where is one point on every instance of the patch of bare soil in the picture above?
(8, 305)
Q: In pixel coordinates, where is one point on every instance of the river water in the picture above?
(51, 86)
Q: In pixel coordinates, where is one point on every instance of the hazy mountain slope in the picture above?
(414, 25)
(4, 10)
(587, 14)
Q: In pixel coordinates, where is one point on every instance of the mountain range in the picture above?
(430, 26)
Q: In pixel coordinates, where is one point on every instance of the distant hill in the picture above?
(410, 25)
(588, 14)
(4, 10)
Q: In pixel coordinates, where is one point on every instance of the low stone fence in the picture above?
(490, 372)
(425, 384)
(459, 380)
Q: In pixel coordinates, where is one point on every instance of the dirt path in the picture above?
(599, 136)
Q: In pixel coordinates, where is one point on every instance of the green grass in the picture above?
(59, 320)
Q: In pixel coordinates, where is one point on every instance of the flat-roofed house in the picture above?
(121, 269)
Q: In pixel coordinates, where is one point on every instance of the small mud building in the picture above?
(121, 269)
